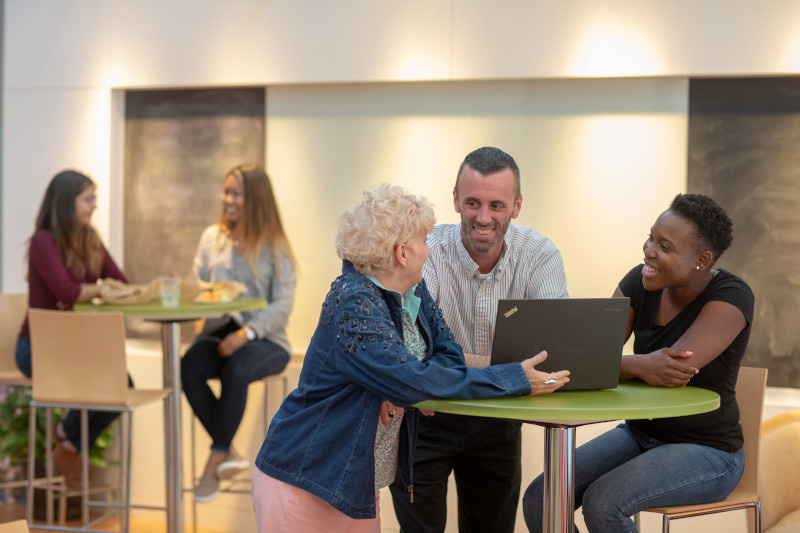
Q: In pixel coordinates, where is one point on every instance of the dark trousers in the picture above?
(98, 420)
(484, 455)
(255, 360)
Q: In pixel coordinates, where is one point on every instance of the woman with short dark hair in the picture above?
(691, 324)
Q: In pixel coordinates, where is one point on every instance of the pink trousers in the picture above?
(284, 508)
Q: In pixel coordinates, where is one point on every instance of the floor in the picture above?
(10, 513)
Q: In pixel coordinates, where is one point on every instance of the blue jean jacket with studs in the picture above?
(322, 438)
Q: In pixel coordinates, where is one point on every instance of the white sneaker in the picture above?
(232, 466)
(207, 489)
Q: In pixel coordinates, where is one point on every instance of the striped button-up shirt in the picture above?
(529, 267)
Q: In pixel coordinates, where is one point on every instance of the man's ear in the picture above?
(517, 207)
(455, 200)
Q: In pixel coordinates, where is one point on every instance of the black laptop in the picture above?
(582, 335)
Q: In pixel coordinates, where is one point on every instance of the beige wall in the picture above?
(592, 180)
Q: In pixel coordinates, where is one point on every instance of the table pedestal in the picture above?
(561, 412)
(559, 474)
(170, 319)
(171, 345)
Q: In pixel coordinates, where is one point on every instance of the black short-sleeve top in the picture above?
(720, 428)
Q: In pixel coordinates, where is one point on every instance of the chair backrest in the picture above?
(750, 388)
(20, 526)
(779, 468)
(78, 357)
(12, 314)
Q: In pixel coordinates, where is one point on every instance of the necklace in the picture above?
(234, 241)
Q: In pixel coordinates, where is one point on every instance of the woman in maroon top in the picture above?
(65, 260)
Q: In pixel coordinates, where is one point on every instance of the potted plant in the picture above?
(14, 419)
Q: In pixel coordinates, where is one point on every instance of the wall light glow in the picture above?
(610, 49)
(792, 57)
(418, 65)
(93, 147)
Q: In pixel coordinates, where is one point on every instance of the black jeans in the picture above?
(98, 420)
(255, 360)
(484, 454)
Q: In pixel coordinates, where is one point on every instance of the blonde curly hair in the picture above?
(387, 216)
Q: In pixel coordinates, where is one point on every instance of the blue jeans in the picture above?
(221, 416)
(623, 471)
(98, 420)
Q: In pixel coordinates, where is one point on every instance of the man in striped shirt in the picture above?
(472, 266)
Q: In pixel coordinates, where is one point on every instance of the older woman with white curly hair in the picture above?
(380, 346)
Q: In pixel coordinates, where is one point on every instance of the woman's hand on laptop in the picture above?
(543, 382)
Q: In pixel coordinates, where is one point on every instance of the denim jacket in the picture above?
(322, 438)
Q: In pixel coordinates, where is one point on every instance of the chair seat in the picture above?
(788, 524)
(137, 397)
(14, 377)
(735, 499)
(20, 526)
(134, 398)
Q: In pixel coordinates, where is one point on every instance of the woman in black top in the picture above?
(691, 324)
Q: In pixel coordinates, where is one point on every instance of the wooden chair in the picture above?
(12, 313)
(779, 482)
(80, 364)
(19, 526)
(750, 388)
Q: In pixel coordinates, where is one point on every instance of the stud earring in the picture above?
(697, 267)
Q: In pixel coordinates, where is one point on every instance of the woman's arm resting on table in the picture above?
(714, 329)
(88, 291)
(663, 368)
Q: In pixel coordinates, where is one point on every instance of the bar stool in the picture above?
(13, 309)
(12, 313)
(80, 364)
(237, 485)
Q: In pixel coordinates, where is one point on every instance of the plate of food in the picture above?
(221, 291)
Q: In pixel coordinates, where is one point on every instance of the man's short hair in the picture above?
(488, 160)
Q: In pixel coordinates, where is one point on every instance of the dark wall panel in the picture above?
(178, 146)
(744, 151)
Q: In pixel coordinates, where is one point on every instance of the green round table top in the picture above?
(155, 310)
(631, 400)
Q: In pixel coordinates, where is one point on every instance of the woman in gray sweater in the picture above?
(248, 245)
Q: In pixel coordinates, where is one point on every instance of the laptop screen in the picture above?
(582, 335)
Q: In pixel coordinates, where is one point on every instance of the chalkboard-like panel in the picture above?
(744, 151)
(178, 146)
